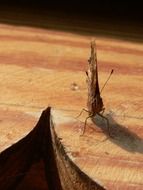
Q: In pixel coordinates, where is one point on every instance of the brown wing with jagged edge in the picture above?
(95, 103)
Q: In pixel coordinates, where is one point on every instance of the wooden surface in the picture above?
(71, 175)
(41, 67)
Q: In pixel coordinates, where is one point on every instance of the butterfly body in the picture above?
(94, 103)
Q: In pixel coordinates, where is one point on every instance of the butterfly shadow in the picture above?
(121, 136)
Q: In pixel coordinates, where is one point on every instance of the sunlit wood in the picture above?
(42, 67)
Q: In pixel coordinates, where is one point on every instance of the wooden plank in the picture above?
(40, 67)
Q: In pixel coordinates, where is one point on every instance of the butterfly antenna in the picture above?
(107, 80)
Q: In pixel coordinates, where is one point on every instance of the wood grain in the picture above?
(41, 67)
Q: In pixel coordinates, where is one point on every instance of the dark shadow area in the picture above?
(35, 174)
(126, 10)
(18, 162)
(101, 18)
(122, 136)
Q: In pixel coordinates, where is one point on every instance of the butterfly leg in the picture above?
(109, 132)
(103, 111)
(82, 112)
(85, 123)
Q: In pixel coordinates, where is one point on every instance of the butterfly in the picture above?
(95, 102)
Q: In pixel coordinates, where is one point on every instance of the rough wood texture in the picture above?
(71, 175)
(39, 67)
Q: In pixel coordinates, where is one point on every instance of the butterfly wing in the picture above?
(95, 103)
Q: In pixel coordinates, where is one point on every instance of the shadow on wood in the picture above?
(122, 136)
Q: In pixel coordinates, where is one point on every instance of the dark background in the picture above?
(110, 9)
